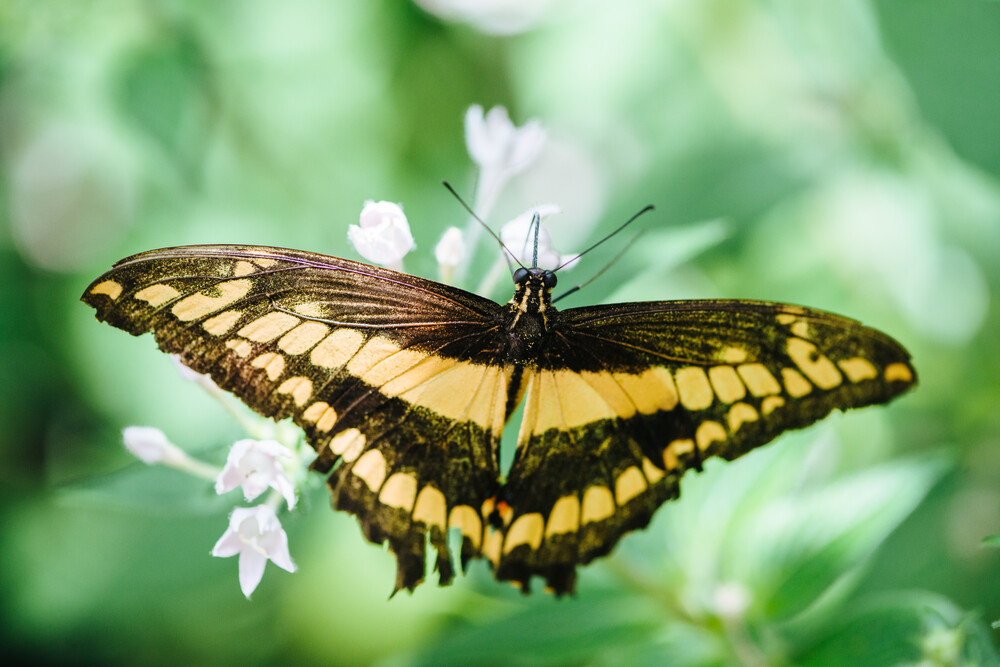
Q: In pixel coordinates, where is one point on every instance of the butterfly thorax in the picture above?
(529, 314)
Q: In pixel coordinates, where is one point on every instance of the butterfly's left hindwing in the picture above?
(626, 398)
(395, 380)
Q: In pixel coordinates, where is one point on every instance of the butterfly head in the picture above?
(532, 297)
(543, 277)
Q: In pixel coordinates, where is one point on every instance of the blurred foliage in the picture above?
(839, 154)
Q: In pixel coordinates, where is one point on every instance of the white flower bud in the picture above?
(150, 445)
(383, 236)
(449, 252)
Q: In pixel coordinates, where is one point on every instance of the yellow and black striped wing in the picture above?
(395, 378)
(626, 398)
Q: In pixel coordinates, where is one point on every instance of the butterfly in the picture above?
(403, 386)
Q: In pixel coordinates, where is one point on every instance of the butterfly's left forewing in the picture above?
(626, 398)
(396, 380)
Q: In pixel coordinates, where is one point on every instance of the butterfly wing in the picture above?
(628, 397)
(395, 380)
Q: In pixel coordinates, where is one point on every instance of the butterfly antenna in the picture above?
(606, 267)
(507, 253)
(628, 222)
(536, 220)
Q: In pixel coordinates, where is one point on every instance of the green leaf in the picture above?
(992, 541)
(149, 489)
(549, 632)
(919, 627)
(798, 546)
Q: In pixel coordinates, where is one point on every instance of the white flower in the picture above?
(449, 252)
(518, 236)
(496, 17)
(256, 535)
(384, 235)
(151, 446)
(253, 465)
(496, 144)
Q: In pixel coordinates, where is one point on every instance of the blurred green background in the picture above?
(843, 155)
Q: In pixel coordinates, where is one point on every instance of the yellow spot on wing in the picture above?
(817, 367)
(629, 485)
(303, 337)
(652, 473)
(482, 408)
(740, 414)
(612, 393)
(404, 369)
(375, 350)
(650, 391)
(898, 372)
(467, 520)
(857, 369)
(222, 322)
(770, 404)
(801, 329)
(242, 348)
(709, 432)
(462, 392)
(431, 507)
(272, 363)
(314, 411)
(758, 379)
(400, 491)
(526, 529)
(326, 420)
(299, 387)
(564, 517)
(243, 268)
(268, 327)
(580, 402)
(548, 412)
(786, 318)
(157, 295)
(371, 469)
(673, 452)
(492, 545)
(198, 305)
(796, 385)
(348, 444)
(726, 383)
(109, 287)
(733, 355)
(310, 309)
(598, 504)
(695, 390)
(334, 350)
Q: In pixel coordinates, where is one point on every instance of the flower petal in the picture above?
(252, 564)
(228, 545)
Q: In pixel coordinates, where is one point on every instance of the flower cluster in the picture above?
(255, 533)
(272, 461)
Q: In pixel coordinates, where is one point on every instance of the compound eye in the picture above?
(549, 279)
(521, 275)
